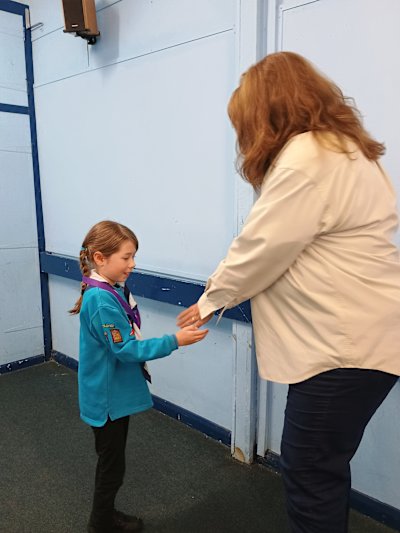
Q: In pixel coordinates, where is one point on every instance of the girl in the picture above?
(111, 375)
(317, 258)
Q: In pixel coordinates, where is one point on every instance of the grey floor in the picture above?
(177, 479)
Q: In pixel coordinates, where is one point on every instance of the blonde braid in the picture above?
(85, 269)
(85, 266)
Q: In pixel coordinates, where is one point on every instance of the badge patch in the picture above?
(116, 335)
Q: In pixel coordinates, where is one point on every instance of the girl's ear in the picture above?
(98, 258)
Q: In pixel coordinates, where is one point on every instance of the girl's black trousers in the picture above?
(110, 444)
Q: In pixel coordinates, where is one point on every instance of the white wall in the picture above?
(142, 111)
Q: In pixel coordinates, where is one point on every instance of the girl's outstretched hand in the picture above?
(190, 335)
(191, 316)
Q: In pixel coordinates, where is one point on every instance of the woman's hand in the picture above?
(190, 335)
(191, 316)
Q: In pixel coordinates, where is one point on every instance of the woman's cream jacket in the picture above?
(317, 259)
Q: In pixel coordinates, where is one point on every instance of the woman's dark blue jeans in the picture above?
(325, 419)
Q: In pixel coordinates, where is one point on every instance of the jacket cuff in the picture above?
(174, 342)
(205, 306)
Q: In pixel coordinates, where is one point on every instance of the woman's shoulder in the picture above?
(310, 153)
(301, 147)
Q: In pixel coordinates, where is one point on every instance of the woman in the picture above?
(317, 260)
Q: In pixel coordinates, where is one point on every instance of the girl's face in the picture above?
(118, 266)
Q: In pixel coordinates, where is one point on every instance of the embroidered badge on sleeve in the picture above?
(116, 335)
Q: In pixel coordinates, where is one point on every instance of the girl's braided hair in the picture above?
(105, 237)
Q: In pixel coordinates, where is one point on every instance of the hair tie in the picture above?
(83, 248)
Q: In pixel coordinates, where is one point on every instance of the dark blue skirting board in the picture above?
(379, 511)
(21, 363)
(192, 420)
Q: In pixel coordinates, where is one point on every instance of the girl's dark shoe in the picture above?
(121, 522)
(125, 522)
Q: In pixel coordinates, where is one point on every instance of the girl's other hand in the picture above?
(190, 335)
(191, 316)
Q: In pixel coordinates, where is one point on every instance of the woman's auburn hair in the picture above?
(281, 96)
(106, 237)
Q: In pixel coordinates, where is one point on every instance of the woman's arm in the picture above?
(283, 221)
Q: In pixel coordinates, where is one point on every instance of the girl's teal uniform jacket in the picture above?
(111, 382)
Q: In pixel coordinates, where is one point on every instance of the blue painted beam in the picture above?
(12, 7)
(44, 283)
(10, 108)
(145, 285)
